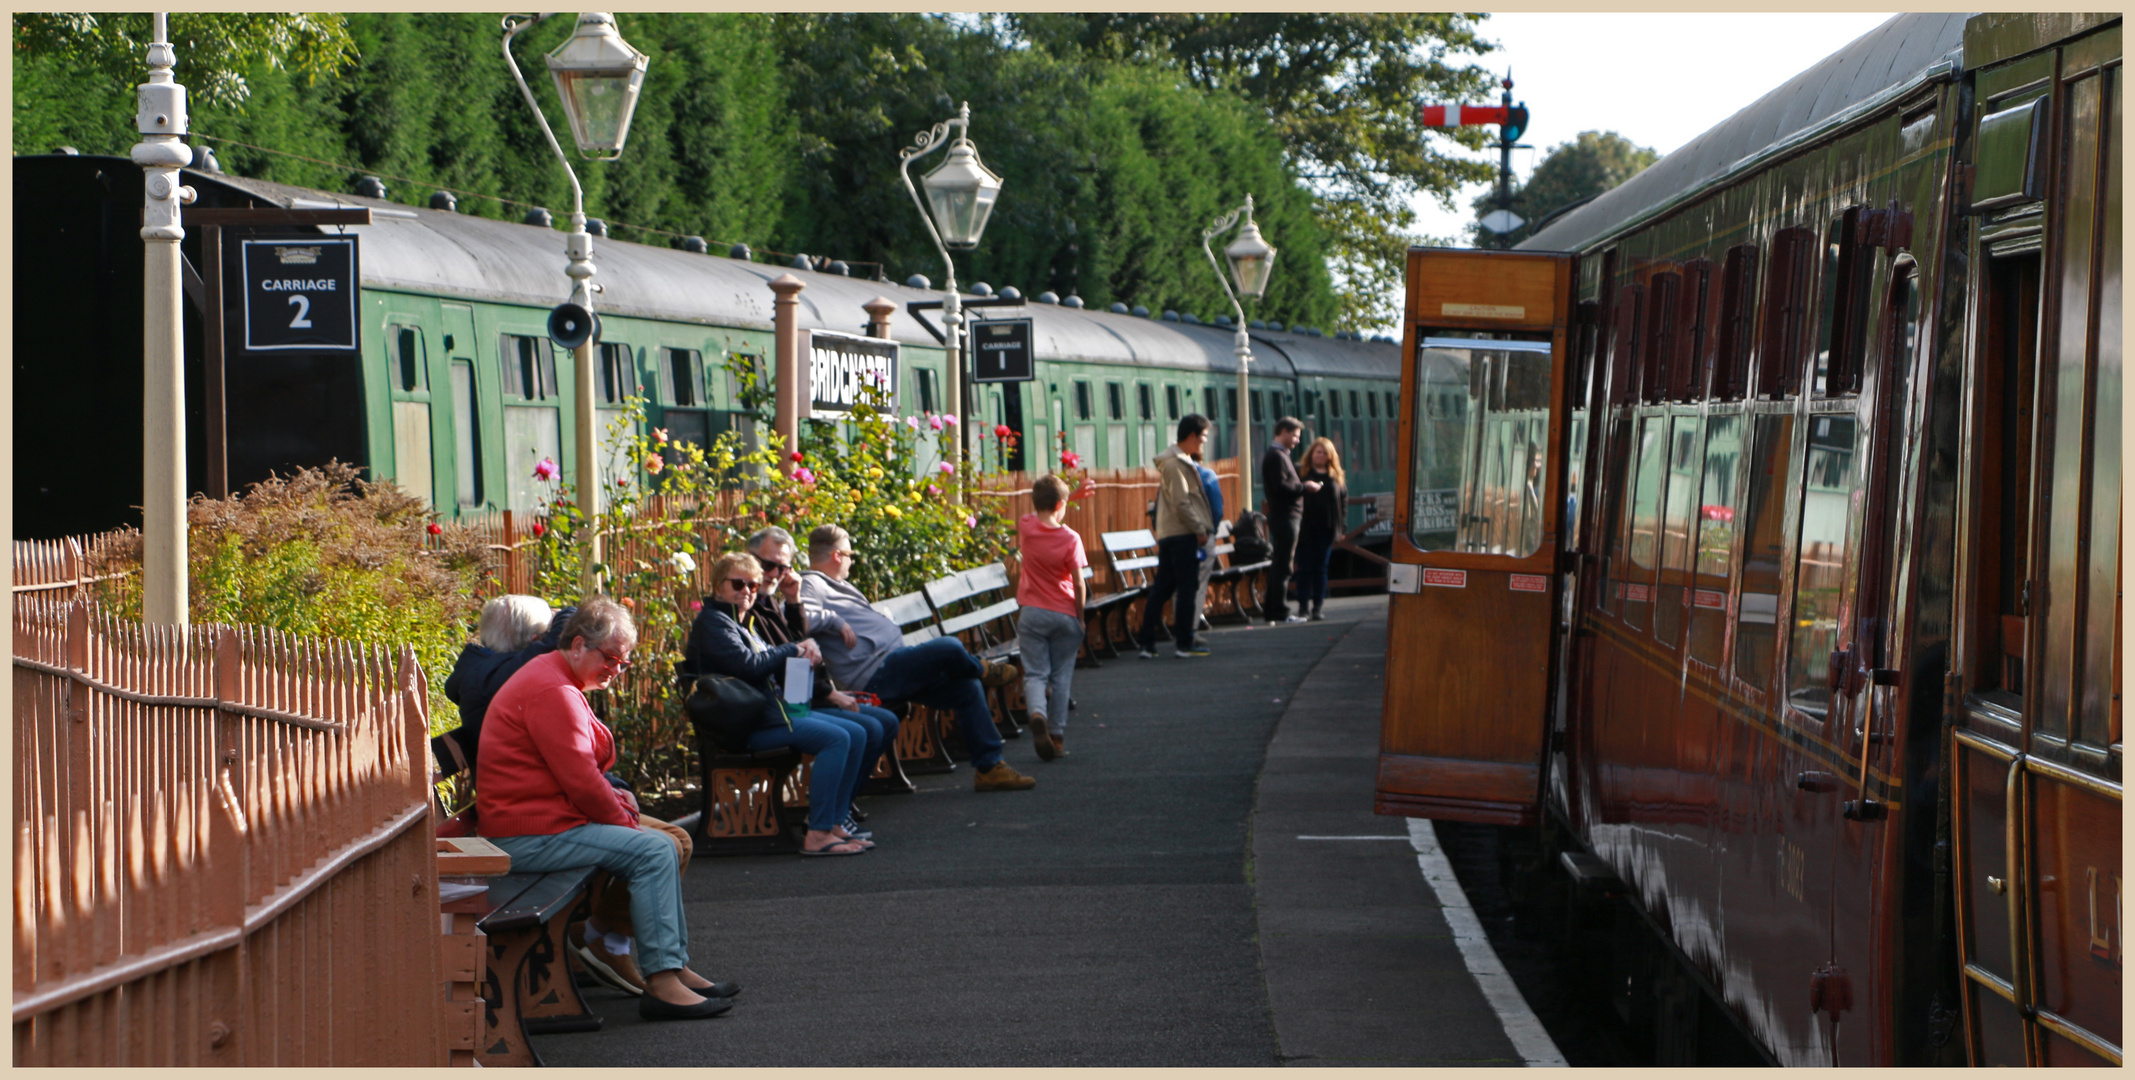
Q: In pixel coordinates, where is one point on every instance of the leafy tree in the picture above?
(215, 51)
(1573, 172)
(1341, 91)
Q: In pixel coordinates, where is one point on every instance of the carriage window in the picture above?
(529, 367)
(1819, 579)
(617, 381)
(1642, 522)
(1764, 543)
(1083, 405)
(1623, 352)
(1258, 410)
(1843, 322)
(1660, 336)
(1482, 421)
(1737, 321)
(1171, 402)
(469, 466)
(1715, 523)
(1688, 377)
(684, 372)
(1145, 400)
(1679, 520)
(1786, 312)
(923, 379)
(1354, 408)
(1115, 401)
(1334, 403)
(410, 373)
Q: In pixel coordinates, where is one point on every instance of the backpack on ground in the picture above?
(1249, 539)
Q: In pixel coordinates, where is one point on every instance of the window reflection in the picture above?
(1482, 427)
(1764, 541)
(1826, 512)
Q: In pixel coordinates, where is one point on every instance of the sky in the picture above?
(1578, 72)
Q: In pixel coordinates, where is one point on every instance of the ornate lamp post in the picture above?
(160, 118)
(961, 192)
(1251, 259)
(598, 76)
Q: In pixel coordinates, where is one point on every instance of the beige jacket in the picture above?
(1181, 505)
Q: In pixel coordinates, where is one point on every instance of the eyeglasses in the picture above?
(617, 663)
(847, 552)
(742, 584)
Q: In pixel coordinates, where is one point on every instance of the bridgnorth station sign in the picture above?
(839, 365)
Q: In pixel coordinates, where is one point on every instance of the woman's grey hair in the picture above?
(510, 621)
(769, 534)
(824, 540)
(600, 621)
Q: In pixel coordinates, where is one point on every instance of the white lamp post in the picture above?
(1251, 259)
(962, 192)
(160, 118)
(598, 76)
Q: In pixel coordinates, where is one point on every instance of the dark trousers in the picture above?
(942, 674)
(1282, 535)
(1178, 575)
(1314, 548)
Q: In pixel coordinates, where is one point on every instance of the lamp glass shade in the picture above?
(1252, 260)
(598, 76)
(961, 192)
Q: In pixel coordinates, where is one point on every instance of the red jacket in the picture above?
(542, 755)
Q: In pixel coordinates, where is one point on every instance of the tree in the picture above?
(215, 51)
(1341, 91)
(1573, 172)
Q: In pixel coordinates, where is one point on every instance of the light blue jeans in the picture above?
(1049, 641)
(642, 858)
(839, 744)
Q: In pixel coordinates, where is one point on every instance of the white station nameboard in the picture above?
(839, 365)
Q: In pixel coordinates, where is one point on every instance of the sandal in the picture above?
(852, 847)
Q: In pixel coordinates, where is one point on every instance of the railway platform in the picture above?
(1163, 897)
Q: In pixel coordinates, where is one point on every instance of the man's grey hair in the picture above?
(510, 621)
(824, 540)
(769, 534)
(600, 621)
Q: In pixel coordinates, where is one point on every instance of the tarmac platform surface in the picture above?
(1200, 882)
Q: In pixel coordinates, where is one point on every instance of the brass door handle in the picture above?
(1997, 884)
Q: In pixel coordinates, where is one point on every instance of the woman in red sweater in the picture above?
(543, 798)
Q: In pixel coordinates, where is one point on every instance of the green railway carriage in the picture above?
(454, 389)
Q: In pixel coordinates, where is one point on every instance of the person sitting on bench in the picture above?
(939, 674)
(513, 629)
(543, 799)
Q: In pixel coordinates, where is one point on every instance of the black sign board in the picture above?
(300, 294)
(839, 365)
(1000, 351)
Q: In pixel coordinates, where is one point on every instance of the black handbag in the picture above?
(725, 711)
(1249, 540)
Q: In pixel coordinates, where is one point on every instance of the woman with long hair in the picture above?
(1326, 511)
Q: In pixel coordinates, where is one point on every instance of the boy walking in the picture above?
(1049, 629)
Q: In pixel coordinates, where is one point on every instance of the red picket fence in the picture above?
(223, 848)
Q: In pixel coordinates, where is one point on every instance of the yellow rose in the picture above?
(893, 511)
(874, 472)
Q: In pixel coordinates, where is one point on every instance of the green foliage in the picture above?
(215, 50)
(1573, 172)
(323, 554)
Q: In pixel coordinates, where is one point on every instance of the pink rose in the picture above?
(696, 605)
(654, 463)
(659, 434)
(946, 468)
(971, 521)
(803, 475)
(545, 469)
(950, 418)
(934, 422)
(932, 490)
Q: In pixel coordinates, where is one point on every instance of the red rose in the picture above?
(540, 529)
(436, 529)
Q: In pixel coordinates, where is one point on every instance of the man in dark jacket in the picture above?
(1286, 510)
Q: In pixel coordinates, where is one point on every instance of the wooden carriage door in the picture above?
(1473, 580)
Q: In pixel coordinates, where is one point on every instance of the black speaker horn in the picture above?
(571, 325)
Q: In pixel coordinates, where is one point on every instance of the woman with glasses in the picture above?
(543, 798)
(720, 645)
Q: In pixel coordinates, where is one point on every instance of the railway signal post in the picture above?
(161, 120)
(597, 75)
(1512, 123)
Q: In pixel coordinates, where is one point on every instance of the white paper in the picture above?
(799, 681)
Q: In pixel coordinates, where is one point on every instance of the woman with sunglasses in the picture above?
(720, 645)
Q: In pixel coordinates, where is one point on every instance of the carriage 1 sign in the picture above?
(1000, 351)
(300, 294)
(840, 364)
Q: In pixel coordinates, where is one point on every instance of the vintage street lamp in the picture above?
(597, 75)
(961, 191)
(1251, 259)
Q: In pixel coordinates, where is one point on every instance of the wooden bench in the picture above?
(526, 986)
(1132, 556)
(920, 747)
(463, 862)
(978, 607)
(748, 809)
(1242, 582)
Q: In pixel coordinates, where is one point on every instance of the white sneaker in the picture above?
(1148, 654)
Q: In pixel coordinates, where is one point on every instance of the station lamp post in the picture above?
(1251, 259)
(598, 76)
(161, 120)
(960, 195)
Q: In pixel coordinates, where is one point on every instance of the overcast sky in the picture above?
(1656, 79)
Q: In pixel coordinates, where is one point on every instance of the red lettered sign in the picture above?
(1528, 583)
(1711, 598)
(1638, 594)
(1451, 579)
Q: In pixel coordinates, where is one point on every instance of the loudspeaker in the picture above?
(571, 325)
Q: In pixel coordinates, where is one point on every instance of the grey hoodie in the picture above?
(833, 605)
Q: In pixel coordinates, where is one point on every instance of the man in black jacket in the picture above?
(1286, 510)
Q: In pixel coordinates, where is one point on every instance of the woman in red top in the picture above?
(543, 798)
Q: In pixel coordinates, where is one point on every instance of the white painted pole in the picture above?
(160, 118)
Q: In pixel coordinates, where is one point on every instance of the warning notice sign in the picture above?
(1450, 579)
(1711, 598)
(1528, 583)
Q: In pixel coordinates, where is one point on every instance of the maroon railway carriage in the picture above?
(1761, 545)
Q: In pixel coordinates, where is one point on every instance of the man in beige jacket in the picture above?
(1183, 524)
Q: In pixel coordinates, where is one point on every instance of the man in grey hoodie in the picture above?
(939, 674)
(1183, 525)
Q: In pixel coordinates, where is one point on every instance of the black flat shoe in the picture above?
(652, 1008)
(718, 990)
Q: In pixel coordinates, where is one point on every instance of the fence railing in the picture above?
(223, 850)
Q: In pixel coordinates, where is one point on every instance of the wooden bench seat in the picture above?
(978, 607)
(746, 808)
(1131, 553)
(527, 987)
(920, 747)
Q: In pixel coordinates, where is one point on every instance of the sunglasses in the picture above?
(742, 584)
(773, 567)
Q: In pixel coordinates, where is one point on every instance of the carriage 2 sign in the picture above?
(300, 294)
(1000, 351)
(839, 365)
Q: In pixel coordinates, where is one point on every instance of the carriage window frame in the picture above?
(1489, 467)
(1844, 314)
(1115, 400)
(1689, 369)
(618, 364)
(1664, 291)
(1782, 350)
(1737, 328)
(1807, 666)
(407, 369)
(528, 365)
(682, 369)
(1171, 402)
(1084, 405)
(1145, 401)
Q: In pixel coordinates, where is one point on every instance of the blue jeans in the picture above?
(838, 744)
(881, 727)
(1178, 577)
(942, 674)
(643, 859)
(1049, 641)
(1314, 548)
